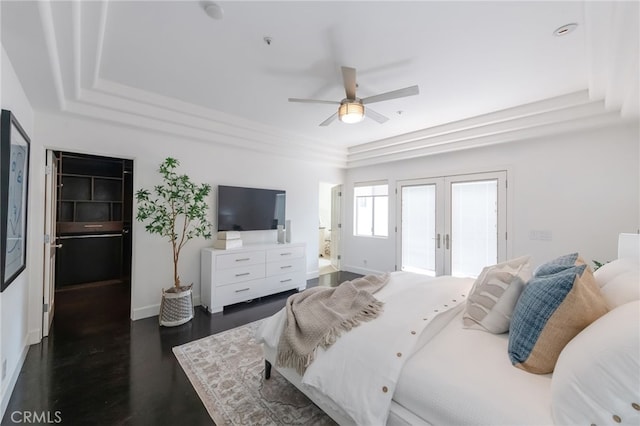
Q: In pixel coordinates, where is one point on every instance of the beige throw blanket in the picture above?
(319, 315)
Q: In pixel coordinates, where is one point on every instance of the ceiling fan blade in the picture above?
(394, 94)
(349, 79)
(330, 119)
(376, 116)
(313, 101)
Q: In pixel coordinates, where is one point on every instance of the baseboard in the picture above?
(6, 393)
(154, 310)
(361, 271)
(145, 312)
(34, 337)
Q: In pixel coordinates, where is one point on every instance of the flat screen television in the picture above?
(250, 209)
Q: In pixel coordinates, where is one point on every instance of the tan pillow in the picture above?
(494, 295)
(551, 311)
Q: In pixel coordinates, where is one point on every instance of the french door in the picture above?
(452, 225)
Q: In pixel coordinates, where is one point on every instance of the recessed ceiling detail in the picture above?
(176, 72)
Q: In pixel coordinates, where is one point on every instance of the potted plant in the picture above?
(177, 210)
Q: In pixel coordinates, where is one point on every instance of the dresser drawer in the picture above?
(274, 255)
(289, 280)
(239, 292)
(285, 266)
(236, 260)
(236, 275)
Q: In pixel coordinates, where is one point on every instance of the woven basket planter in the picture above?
(176, 307)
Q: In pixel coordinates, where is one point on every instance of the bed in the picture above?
(422, 364)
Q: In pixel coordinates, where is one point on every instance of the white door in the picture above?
(453, 225)
(50, 246)
(420, 232)
(336, 225)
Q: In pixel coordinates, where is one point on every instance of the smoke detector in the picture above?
(214, 10)
(564, 30)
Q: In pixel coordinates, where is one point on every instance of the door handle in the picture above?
(56, 245)
(446, 241)
(437, 238)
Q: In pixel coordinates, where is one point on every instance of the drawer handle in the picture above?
(285, 254)
(243, 274)
(286, 281)
(286, 267)
(93, 226)
(244, 259)
(242, 289)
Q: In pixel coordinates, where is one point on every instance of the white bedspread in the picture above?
(360, 371)
(464, 377)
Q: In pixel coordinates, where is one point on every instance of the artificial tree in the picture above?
(178, 211)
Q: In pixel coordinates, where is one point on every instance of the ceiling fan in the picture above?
(351, 109)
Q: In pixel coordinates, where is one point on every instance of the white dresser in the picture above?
(237, 275)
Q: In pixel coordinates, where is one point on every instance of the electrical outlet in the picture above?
(4, 368)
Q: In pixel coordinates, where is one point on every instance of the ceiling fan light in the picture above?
(351, 112)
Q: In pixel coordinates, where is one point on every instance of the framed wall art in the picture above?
(14, 178)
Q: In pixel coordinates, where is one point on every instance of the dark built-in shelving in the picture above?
(94, 213)
(91, 194)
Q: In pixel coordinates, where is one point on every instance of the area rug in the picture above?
(227, 372)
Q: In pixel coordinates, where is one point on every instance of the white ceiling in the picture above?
(484, 68)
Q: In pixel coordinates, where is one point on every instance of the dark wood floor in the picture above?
(99, 368)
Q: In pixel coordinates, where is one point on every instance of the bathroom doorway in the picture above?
(329, 227)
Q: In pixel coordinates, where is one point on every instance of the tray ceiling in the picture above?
(489, 72)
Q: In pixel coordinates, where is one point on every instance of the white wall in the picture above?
(14, 338)
(584, 187)
(203, 162)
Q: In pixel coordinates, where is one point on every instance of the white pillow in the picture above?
(494, 295)
(596, 378)
(619, 281)
(610, 270)
(622, 289)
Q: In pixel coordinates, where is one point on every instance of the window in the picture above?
(371, 210)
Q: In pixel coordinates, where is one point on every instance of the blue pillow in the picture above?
(552, 309)
(556, 265)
